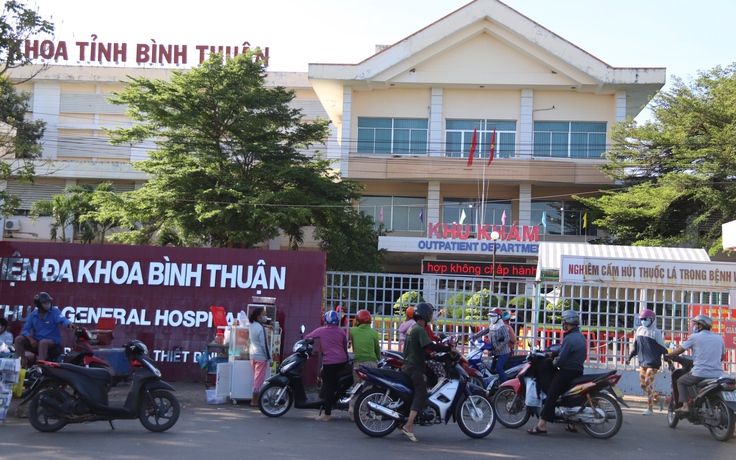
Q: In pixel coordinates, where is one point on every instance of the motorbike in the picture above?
(286, 388)
(81, 354)
(488, 375)
(76, 394)
(385, 402)
(712, 402)
(593, 400)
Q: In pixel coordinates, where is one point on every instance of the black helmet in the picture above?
(424, 310)
(41, 298)
(135, 348)
(571, 317)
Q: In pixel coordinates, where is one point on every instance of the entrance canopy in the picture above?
(550, 255)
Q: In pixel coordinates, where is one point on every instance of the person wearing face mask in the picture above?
(258, 349)
(709, 351)
(498, 337)
(649, 347)
(41, 332)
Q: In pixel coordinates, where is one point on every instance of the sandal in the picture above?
(409, 434)
(571, 428)
(536, 430)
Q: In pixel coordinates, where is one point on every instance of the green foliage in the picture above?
(406, 300)
(677, 171)
(228, 170)
(455, 305)
(482, 301)
(17, 24)
(553, 311)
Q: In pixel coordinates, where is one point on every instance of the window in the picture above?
(459, 138)
(398, 213)
(562, 218)
(564, 139)
(474, 211)
(392, 135)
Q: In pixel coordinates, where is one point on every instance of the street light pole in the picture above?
(494, 237)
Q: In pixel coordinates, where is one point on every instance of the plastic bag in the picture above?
(533, 398)
(18, 387)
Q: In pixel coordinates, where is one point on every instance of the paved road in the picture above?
(238, 431)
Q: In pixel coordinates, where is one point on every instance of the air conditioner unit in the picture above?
(12, 224)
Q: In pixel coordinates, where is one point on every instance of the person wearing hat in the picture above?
(649, 347)
(709, 351)
(405, 326)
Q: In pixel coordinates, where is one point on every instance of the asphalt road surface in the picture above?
(227, 432)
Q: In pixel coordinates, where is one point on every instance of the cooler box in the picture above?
(103, 334)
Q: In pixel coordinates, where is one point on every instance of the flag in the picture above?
(503, 219)
(544, 219)
(462, 216)
(493, 146)
(473, 146)
(381, 215)
(585, 220)
(421, 215)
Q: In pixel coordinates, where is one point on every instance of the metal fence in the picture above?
(609, 314)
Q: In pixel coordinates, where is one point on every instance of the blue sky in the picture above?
(682, 36)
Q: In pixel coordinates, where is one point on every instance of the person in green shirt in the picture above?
(415, 361)
(366, 348)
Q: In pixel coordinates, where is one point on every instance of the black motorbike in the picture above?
(286, 388)
(75, 394)
(712, 402)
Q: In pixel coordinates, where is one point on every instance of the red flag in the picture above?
(473, 146)
(493, 146)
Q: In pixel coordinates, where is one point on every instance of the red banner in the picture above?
(161, 295)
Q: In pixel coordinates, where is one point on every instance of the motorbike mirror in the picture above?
(302, 329)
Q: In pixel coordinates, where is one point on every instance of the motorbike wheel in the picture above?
(724, 430)
(475, 380)
(671, 415)
(159, 410)
(370, 422)
(475, 415)
(268, 404)
(614, 417)
(42, 419)
(511, 410)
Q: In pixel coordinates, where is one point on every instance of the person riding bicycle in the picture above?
(709, 351)
(569, 363)
(415, 361)
(41, 332)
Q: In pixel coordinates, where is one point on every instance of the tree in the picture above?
(228, 171)
(64, 210)
(676, 172)
(19, 137)
(349, 239)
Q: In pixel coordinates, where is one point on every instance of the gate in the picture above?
(609, 314)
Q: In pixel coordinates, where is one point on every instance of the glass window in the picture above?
(459, 138)
(392, 135)
(562, 218)
(397, 213)
(569, 139)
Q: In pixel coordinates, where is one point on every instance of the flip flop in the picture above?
(536, 430)
(571, 429)
(409, 434)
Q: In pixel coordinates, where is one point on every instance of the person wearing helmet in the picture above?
(334, 345)
(498, 337)
(513, 340)
(405, 326)
(709, 351)
(364, 339)
(415, 361)
(569, 362)
(41, 333)
(649, 347)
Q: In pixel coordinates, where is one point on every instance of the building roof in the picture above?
(508, 50)
(550, 255)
